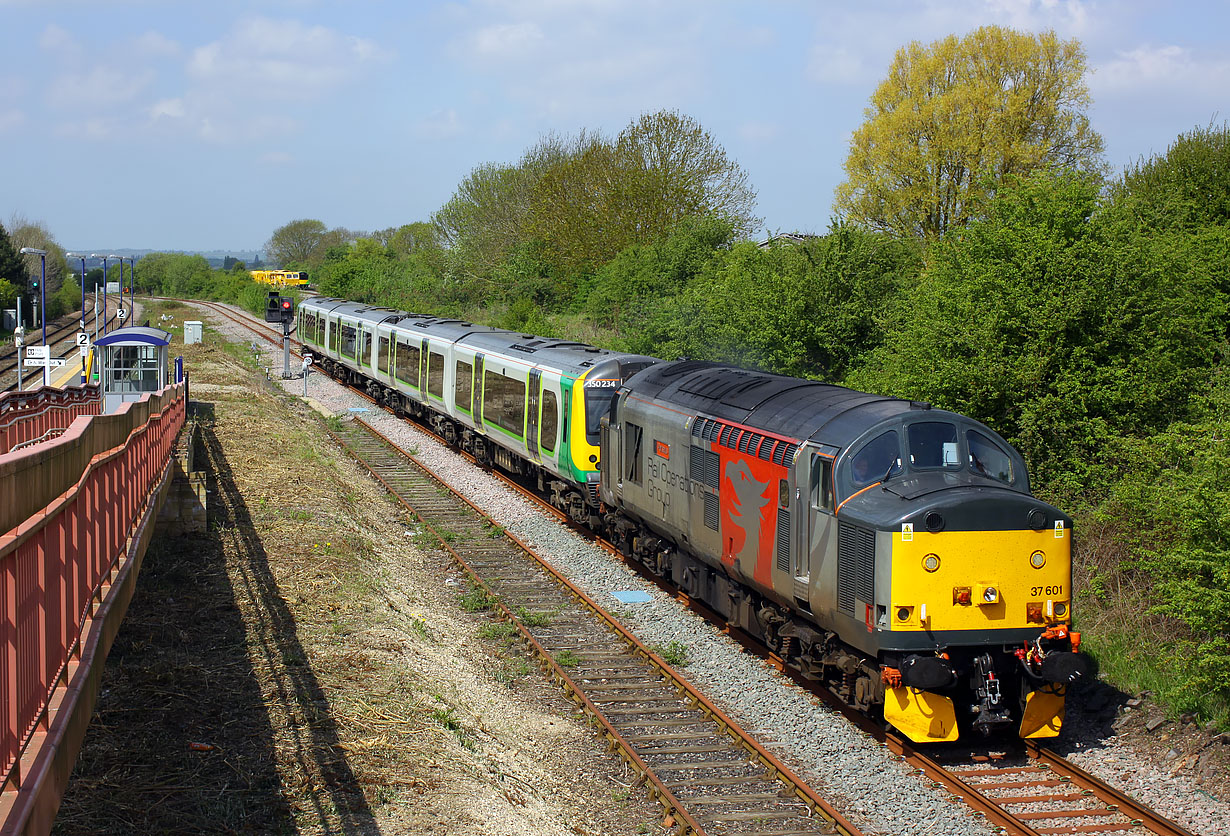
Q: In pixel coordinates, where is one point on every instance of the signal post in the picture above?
(281, 309)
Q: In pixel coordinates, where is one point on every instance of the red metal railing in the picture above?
(68, 508)
(42, 413)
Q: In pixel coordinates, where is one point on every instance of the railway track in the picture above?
(60, 336)
(1031, 792)
(709, 775)
(1039, 792)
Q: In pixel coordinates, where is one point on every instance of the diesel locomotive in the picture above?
(891, 550)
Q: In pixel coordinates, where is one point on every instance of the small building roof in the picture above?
(136, 335)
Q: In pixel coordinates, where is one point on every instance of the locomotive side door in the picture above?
(811, 572)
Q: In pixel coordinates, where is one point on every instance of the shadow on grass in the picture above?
(206, 689)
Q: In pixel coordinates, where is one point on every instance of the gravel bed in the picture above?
(858, 776)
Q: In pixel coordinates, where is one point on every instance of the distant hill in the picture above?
(216, 258)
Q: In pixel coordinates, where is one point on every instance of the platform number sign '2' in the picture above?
(122, 313)
(83, 339)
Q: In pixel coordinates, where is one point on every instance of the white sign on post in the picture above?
(122, 313)
(34, 352)
(83, 339)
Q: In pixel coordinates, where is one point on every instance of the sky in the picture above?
(199, 126)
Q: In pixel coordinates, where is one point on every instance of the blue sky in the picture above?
(202, 126)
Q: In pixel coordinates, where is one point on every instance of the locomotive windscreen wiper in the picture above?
(894, 467)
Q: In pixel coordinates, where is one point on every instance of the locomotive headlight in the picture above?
(1061, 610)
(1037, 560)
(904, 613)
(931, 562)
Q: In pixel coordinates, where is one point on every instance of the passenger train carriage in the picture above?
(889, 549)
(527, 404)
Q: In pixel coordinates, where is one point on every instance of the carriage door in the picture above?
(478, 391)
(423, 370)
(531, 418)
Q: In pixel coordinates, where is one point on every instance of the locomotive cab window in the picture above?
(597, 406)
(879, 459)
(986, 458)
(821, 482)
(933, 445)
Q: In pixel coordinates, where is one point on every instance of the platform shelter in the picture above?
(132, 361)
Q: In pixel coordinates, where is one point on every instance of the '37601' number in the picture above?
(1046, 590)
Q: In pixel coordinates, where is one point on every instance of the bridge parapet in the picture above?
(42, 413)
(77, 513)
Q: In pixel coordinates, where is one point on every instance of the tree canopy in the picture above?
(953, 119)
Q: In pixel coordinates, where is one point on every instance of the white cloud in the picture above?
(829, 62)
(442, 124)
(11, 120)
(759, 131)
(1166, 67)
(280, 59)
(157, 45)
(275, 158)
(167, 109)
(55, 38)
(508, 41)
(100, 87)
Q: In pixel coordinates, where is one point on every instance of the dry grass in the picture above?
(301, 668)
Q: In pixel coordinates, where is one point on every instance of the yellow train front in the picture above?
(973, 579)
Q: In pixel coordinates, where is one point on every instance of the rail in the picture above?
(74, 512)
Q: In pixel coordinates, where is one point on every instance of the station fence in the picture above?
(73, 511)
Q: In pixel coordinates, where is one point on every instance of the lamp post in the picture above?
(83, 349)
(132, 279)
(120, 259)
(104, 261)
(82, 257)
(42, 314)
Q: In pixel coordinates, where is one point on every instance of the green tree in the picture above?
(1186, 188)
(490, 213)
(299, 242)
(11, 268)
(661, 170)
(957, 117)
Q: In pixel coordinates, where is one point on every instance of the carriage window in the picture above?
(504, 402)
(382, 355)
(348, 341)
(933, 444)
(879, 458)
(365, 345)
(464, 387)
(435, 375)
(821, 482)
(550, 421)
(408, 364)
(986, 458)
